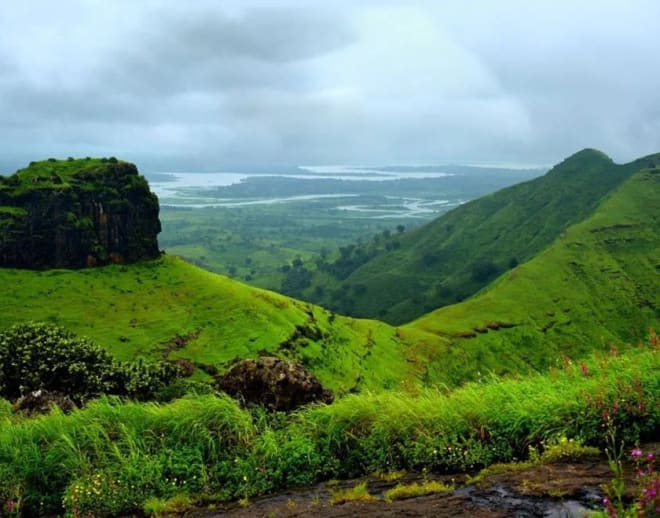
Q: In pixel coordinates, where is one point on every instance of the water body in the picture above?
(170, 184)
(174, 185)
(192, 190)
(373, 189)
(266, 201)
(407, 207)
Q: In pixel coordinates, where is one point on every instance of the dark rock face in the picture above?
(75, 214)
(41, 402)
(273, 383)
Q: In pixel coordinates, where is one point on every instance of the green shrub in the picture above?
(37, 356)
(113, 493)
(140, 380)
(43, 356)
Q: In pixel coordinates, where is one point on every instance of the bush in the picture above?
(484, 270)
(43, 356)
(142, 381)
(37, 356)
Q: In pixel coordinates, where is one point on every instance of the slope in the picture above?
(462, 251)
(170, 308)
(598, 283)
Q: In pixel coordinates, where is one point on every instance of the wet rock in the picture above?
(41, 402)
(560, 490)
(274, 383)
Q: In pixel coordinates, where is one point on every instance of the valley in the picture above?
(552, 354)
(253, 227)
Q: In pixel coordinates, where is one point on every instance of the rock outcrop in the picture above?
(77, 213)
(274, 383)
(41, 402)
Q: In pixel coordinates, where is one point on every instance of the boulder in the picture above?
(41, 402)
(274, 383)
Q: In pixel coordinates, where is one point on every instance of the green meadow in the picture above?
(596, 284)
(138, 310)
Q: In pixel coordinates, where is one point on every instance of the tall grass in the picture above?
(111, 457)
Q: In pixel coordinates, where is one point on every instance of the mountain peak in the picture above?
(590, 154)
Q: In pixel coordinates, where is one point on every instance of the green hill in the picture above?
(170, 308)
(462, 251)
(596, 282)
(599, 282)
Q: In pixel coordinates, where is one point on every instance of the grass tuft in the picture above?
(416, 489)
(359, 493)
(391, 476)
(175, 505)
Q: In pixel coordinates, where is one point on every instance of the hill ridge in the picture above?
(597, 282)
(459, 253)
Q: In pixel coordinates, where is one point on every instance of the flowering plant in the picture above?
(647, 498)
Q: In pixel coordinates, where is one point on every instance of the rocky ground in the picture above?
(559, 490)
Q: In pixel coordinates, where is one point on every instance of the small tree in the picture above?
(484, 270)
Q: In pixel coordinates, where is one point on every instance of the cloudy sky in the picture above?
(213, 85)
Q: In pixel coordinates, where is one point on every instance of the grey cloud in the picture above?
(272, 35)
(203, 50)
(207, 84)
(582, 70)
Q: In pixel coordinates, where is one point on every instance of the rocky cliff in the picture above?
(75, 214)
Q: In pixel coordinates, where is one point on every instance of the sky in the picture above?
(208, 85)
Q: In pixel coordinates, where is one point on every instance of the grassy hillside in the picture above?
(462, 251)
(598, 283)
(171, 308)
(116, 459)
